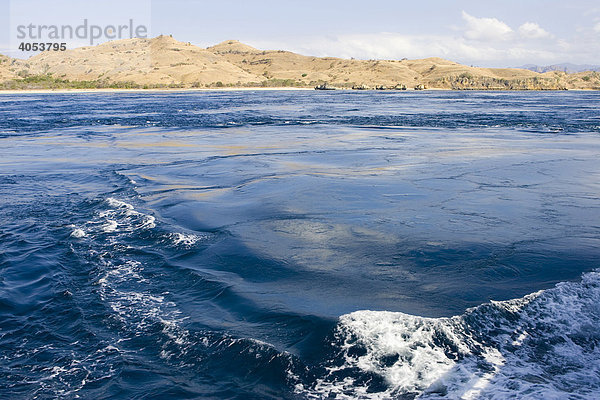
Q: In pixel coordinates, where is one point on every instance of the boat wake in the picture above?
(544, 345)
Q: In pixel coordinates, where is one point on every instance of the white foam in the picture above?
(118, 203)
(148, 222)
(78, 233)
(544, 344)
(110, 226)
(185, 239)
(123, 287)
(122, 217)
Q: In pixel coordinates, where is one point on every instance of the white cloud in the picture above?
(597, 27)
(485, 28)
(480, 41)
(397, 46)
(531, 30)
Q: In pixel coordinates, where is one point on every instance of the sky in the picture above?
(482, 33)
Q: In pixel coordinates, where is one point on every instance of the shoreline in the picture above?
(109, 90)
(250, 89)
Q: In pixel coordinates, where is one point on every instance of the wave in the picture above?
(186, 240)
(140, 309)
(77, 232)
(544, 345)
(128, 219)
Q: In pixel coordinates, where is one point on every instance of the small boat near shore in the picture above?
(398, 86)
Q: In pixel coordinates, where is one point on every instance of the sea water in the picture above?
(300, 245)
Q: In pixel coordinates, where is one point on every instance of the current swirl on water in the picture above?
(300, 245)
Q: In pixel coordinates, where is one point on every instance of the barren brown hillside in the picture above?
(432, 72)
(166, 62)
(159, 61)
(285, 65)
(6, 71)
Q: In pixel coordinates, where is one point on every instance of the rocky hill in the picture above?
(159, 61)
(7, 72)
(166, 62)
(431, 72)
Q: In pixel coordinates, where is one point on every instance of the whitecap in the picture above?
(118, 203)
(543, 343)
(110, 226)
(184, 239)
(124, 217)
(78, 233)
(148, 222)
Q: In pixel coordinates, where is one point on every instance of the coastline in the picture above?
(262, 89)
(229, 89)
(234, 66)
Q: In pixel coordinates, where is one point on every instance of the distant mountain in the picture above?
(565, 67)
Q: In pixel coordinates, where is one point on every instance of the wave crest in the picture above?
(544, 345)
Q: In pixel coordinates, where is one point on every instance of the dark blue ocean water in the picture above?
(300, 245)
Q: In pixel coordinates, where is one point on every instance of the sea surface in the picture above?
(300, 245)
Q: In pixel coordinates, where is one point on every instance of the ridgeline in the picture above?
(164, 62)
